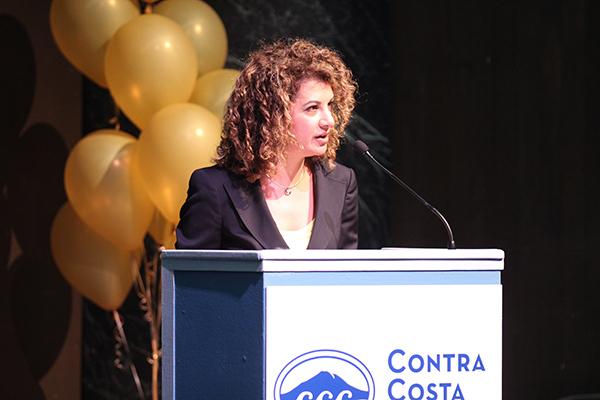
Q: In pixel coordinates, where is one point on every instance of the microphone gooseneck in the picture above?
(363, 149)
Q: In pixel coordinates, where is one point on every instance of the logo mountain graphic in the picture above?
(325, 381)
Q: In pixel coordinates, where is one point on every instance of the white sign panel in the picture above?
(388, 342)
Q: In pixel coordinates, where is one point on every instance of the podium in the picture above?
(385, 324)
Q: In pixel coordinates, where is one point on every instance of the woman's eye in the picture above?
(312, 108)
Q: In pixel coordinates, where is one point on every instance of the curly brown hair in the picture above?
(257, 123)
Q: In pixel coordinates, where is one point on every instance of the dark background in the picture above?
(487, 108)
(496, 122)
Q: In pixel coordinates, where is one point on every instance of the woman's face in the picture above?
(312, 117)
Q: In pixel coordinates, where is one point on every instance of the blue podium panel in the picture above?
(219, 324)
(332, 325)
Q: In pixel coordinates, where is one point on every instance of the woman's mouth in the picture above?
(321, 139)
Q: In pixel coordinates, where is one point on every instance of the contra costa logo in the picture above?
(325, 375)
(425, 376)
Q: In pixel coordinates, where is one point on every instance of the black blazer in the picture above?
(224, 211)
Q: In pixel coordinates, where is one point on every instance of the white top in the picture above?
(298, 239)
(400, 259)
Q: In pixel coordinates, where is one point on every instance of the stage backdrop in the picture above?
(40, 118)
(496, 122)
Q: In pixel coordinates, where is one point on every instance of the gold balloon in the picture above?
(179, 139)
(150, 63)
(162, 231)
(83, 28)
(203, 25)
(106, 190)
(213, 90)
(92, 265)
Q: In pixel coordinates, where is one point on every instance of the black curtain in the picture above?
(496, 118)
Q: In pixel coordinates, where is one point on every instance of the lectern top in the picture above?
(392, 259)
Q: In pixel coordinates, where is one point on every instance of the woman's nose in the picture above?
(327, 120)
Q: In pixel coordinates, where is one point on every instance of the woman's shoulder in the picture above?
(209, 175)
(215, 176)
(214, 171)
(338, 172)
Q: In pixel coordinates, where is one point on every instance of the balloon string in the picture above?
(157, 289)
(115, 119)
(123, 339)
(148, 291)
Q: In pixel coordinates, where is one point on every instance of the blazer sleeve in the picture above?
(200, 216)
(349, 223)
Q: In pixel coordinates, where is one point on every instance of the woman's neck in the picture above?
(289, 177)
(289, 170)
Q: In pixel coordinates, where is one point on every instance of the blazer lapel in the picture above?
(251, 206)
(329, 198)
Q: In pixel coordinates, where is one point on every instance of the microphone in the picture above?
(363, 149)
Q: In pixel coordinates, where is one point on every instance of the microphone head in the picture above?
(360, 146)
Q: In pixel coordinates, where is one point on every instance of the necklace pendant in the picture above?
(287, 191)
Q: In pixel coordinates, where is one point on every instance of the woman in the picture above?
(275, 183)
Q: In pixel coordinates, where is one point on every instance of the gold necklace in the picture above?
(287, 190)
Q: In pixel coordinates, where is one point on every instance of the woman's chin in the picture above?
(316, 153)
(318, 149)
